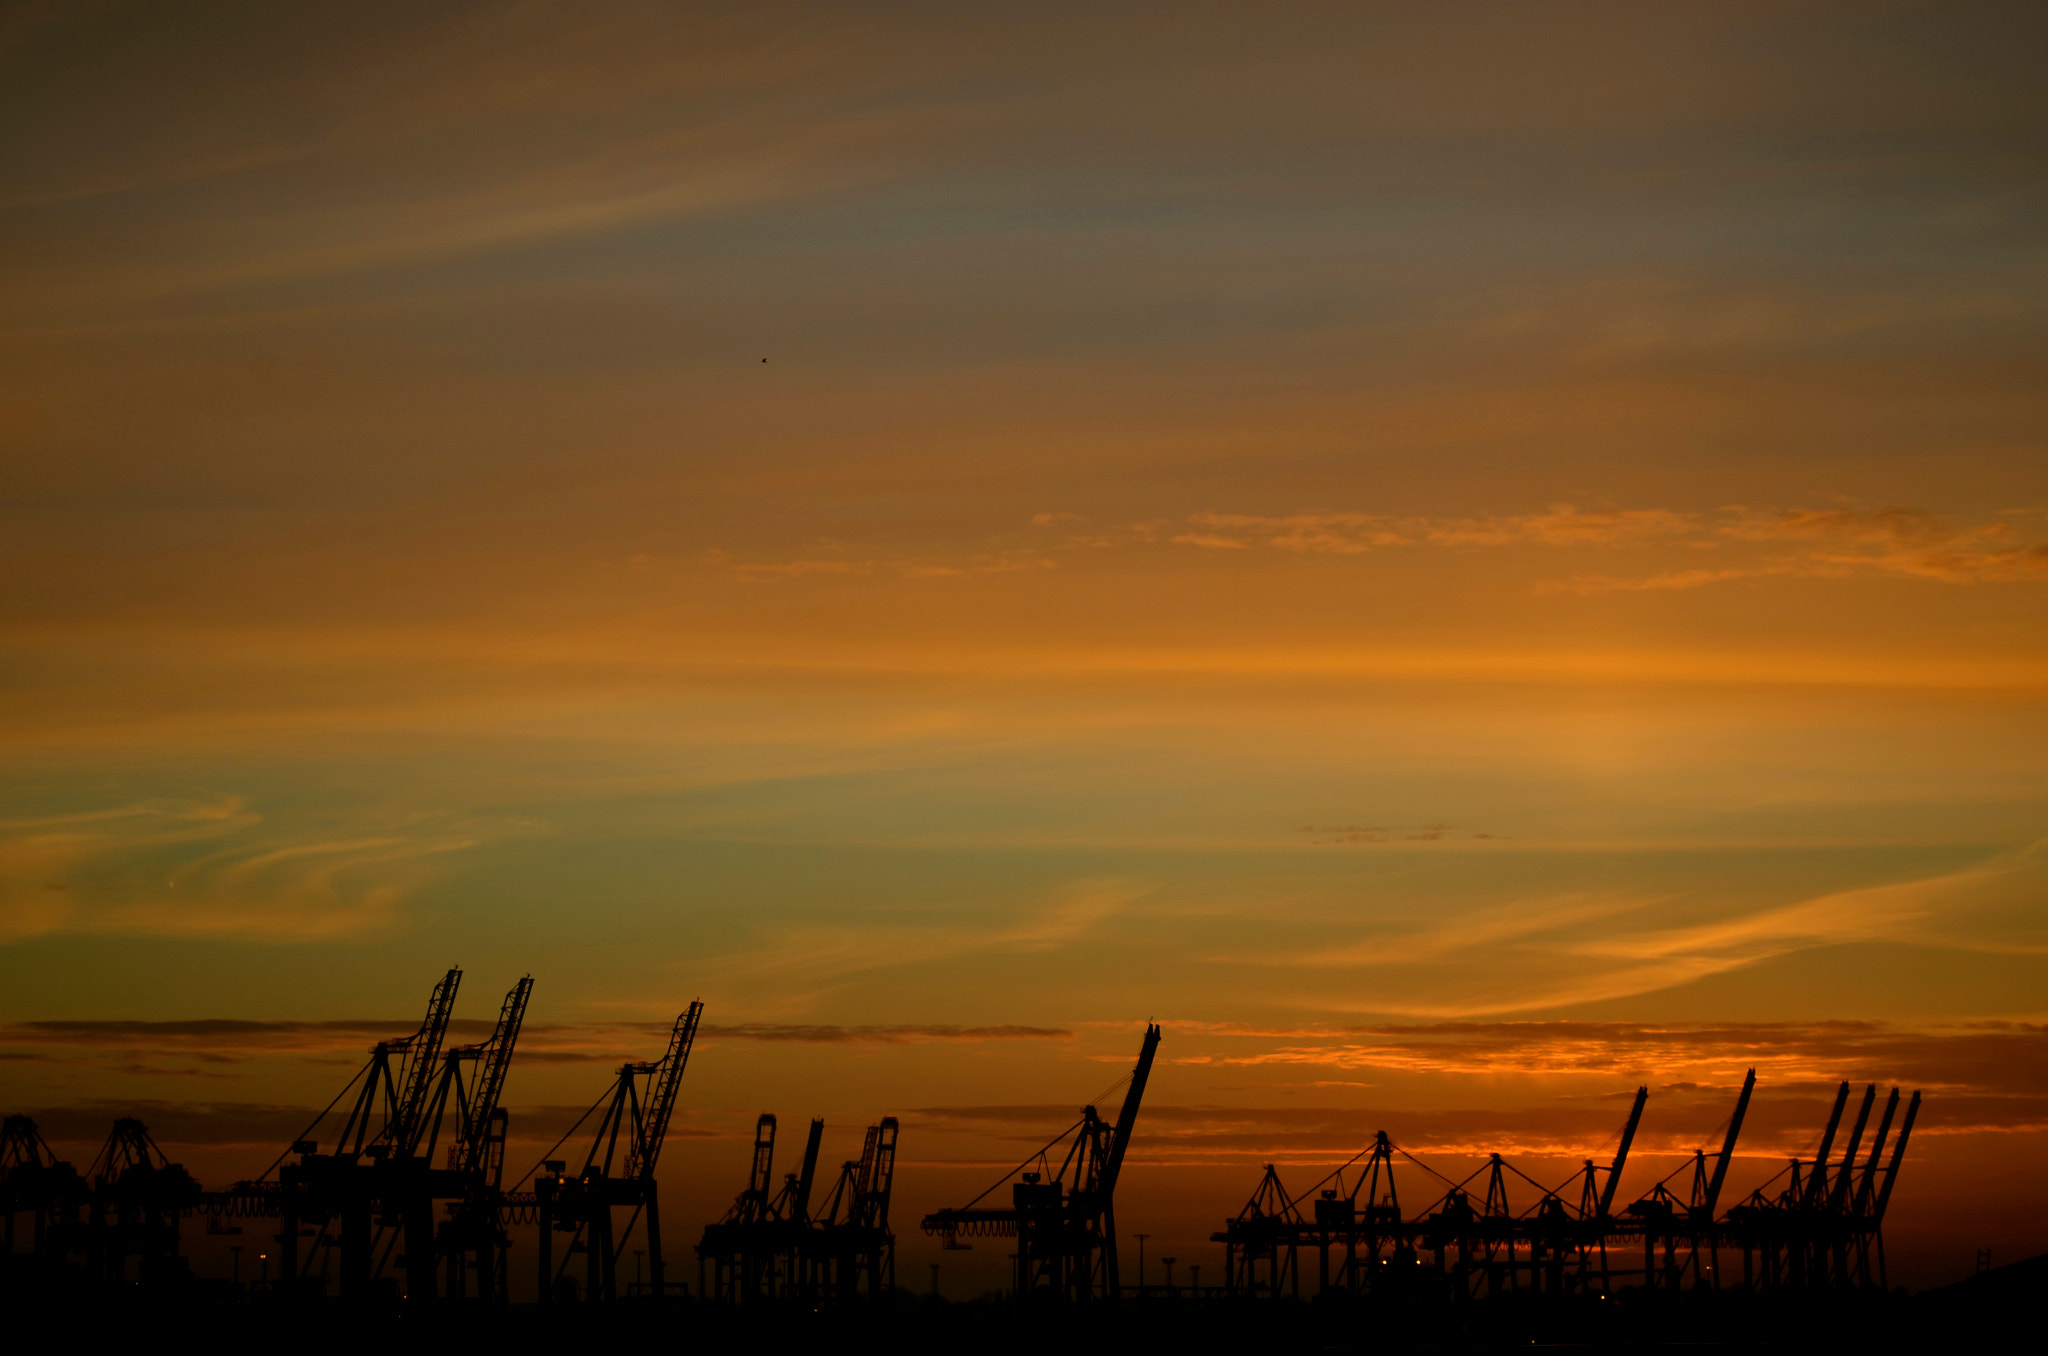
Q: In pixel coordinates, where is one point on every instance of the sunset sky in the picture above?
(1461, 558)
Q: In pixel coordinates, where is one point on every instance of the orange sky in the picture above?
(1522, 525)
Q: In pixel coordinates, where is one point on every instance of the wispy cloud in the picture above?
(1817, 543)
(905, 1034)
(1356, 533)
(235, 1040)
(1967, 909)
(1553, 951)
(1995, 1058)
(967, 565)
(1671, 581)
(1899, 541)
(200, 868)
(1481, 929)
(812, 957)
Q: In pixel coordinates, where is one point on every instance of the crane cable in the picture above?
(560, 1142)
(1096, 1100)
(315, 1122)
(1025, 1164)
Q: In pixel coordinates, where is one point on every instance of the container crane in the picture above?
(851, 1244)
(638, 1108)
(474, 1239)
(382, 1172)
(35, 1182)
(383, 1127)
(139, 1198)
(1063, 1218)
(745, 1246)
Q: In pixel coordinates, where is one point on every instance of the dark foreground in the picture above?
(1976, 1314)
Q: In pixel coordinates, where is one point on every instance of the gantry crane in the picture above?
(1815, 1224)
(779, 1247)
(35, 1182)
(1820, 1223)
(850, 1250)
(473, 1239)
(1268, 1229)
(130, 1203)
(637, 1111)
(139, 1197)
(748, 1249)
(390, 1108)
(373, 1171)
(381, 1181)
(1483, 1245)
(1685, 1229)
(1271, 1228)
(1064, 1217)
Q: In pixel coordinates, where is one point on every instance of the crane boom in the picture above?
(646, 1149)
(1127, 1117)
(1728, 1145)
(1891, 1175)
(1839, 1197)
(1884, 1128)
(881, 1176)
(493, 1061)
(864, 1171)
(423, 1066)
(1628, 1136)
(800, 1199)
(1817, 1183)
(756, 1199)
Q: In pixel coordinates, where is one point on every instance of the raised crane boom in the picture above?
(583, 1203)
(878, 1174)
(1728, 1144)
(1628, 1137)
(753, 1202)
(800, 1196)
(1868, 1184)
(1127, 1117)
(646, 1148)
(1891, 1175)
(422, 1067)
(863, 1171)
(493, 1060)
(1838, 1198)
(1817, 1183)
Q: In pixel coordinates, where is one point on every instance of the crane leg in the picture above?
(655, 1274)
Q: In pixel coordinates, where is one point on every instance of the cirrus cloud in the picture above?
(1813, 543)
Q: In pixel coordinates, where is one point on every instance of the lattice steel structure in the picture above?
(1817, 1224)
(1063, 1217)
(617, 1173)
